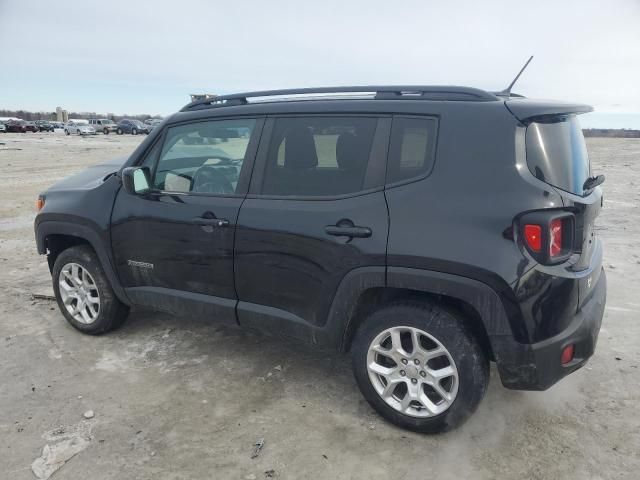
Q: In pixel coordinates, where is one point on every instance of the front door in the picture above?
(174, 246)
(315, 211)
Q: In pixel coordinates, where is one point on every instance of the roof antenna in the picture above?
(507, 91)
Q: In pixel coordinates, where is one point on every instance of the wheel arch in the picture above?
(53, 237)
(363, 290)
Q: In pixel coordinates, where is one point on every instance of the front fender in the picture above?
(44, 228)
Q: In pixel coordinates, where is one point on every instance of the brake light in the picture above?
(548, 235)
(555, 237)
(533, 237)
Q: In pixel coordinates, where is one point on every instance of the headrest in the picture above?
(300, 149)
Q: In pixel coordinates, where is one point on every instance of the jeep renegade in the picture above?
(427, 230)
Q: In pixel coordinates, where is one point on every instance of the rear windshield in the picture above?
(557, 154)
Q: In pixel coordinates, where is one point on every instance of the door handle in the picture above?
(348, 231)
(214, 222)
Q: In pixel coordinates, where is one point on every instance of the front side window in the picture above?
(204, 157)
(318, 156)
(412, 148)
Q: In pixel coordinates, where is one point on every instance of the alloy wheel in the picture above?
(412, 372)
(79, 293)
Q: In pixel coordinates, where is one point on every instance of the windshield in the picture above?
(557, 153)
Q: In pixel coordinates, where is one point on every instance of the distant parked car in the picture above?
(44, 125)
(103, 125)
(152, 123)
(79, 128)
(131, 126)
(31, 127)
(57, 124)
(21, 126)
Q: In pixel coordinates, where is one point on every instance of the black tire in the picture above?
(105, 131)
(445, 325)
(66, 131)
(134, 131)
(119, 131)
(112, 312)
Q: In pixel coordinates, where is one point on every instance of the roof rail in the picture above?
(400, 92)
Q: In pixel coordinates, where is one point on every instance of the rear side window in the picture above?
(412, 148)
(318, 156)
(557, 154)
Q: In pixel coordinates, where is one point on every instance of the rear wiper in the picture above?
(593, 182)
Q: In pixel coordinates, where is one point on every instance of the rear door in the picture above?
(315, 211)
(174, 246)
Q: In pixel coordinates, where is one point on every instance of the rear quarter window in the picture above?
(412, 148)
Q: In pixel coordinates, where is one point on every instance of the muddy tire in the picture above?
(419, 366)
(84, 294)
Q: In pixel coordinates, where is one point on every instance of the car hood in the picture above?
(90, 177)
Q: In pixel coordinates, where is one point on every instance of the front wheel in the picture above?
(134, 132)
(67, 132)
(106, 131)
(419, 367)
(84, 294)
(119, 131)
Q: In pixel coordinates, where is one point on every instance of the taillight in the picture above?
(533, 237)
(555, 237)
(548, 235)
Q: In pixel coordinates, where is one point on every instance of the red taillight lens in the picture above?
(567, 354)
(555, 237)
(533, 237)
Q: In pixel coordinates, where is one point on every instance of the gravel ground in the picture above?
(180, 399)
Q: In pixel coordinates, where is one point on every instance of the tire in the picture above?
(66, 132)
(105, 131)
(110, 313)
(119, 131)
(78, 132)
(440, 327)
(134, 131)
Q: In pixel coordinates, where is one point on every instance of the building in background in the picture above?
(62, 115)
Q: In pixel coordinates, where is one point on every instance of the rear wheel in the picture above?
(105, 131)
(66, 132)
(84, 294)
(119, 131)
(419, 367)
(134, 131)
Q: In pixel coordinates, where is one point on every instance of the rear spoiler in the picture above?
(527, 110)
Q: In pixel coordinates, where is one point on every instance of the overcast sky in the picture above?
(138, 56)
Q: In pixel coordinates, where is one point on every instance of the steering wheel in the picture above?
(208, 179)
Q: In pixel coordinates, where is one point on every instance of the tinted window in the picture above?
(557, 154)
(319, 156)
(203, 157)
(412, 148)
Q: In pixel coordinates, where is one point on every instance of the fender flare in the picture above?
(55, 227)
(477, 294)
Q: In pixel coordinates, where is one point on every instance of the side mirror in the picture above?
(136, 180)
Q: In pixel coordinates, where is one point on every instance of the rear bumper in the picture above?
(537, 366)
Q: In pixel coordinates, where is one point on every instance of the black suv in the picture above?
(427, 230)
